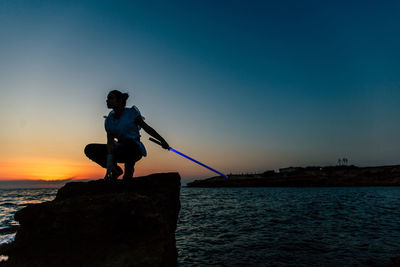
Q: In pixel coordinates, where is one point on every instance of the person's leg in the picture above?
(128, 153)
(98, 153)
(129, 169)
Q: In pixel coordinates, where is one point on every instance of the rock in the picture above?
(394, 262)
(99, 223)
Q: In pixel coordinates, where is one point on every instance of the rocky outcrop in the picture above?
(100, 223)
(310, 176)
(394, 262)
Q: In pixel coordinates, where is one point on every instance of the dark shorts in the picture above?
(124, 152)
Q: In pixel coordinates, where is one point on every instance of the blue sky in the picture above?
(244, 86)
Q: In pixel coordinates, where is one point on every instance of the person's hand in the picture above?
(165, 145)
(113, 173)
(109, 167)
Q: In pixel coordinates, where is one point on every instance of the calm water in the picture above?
(357, 226)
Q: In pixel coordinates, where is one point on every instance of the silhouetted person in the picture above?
(122, 124)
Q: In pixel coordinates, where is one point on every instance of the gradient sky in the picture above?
(244, 86)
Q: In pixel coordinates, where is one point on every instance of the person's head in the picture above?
(116, 99)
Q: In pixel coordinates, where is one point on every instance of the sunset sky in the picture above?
(243, 86)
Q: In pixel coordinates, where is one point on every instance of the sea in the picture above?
(336, 226)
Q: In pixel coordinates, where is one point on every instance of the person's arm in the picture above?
(110, 156)
(110, 143)
(139, 121)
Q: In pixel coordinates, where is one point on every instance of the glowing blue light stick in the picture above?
(183, 155)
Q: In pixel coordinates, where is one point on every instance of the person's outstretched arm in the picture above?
(139, 121)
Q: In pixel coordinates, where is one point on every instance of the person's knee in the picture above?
(89, 149)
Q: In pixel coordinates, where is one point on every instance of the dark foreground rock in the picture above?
(99, 223)
(394, 262)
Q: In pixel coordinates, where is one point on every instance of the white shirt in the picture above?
(125, 127)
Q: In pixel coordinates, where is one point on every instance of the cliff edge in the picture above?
(99, 223)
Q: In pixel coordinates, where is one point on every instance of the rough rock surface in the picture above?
(99, 223)
(394, 262)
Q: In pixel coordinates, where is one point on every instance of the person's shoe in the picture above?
(117, 171)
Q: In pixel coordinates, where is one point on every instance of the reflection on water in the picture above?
(7, 238)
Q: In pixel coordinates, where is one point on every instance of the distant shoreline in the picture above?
(329, 176)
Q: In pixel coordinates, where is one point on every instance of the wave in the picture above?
(9, 230)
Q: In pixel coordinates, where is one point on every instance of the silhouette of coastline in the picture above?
(309, 176)
(101, 223)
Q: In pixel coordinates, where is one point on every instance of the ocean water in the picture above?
(353, 226)
(12, 200)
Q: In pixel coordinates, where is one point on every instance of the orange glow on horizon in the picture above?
(48, 169)
(52, 169)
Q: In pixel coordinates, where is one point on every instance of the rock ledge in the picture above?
(99, 223)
